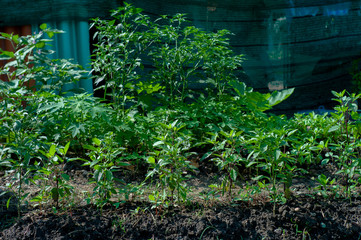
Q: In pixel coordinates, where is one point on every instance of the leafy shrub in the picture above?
(180, 54)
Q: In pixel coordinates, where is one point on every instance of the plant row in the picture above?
(152, 122)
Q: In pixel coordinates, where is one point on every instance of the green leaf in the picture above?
(38, 198)
(66, 148)
(16, 39)
(279, 96)
(314, 148)
(50, 34)
(55, 194)
(355, 116)
(325, 161)
(156, 144)
(123, 164)
(333, 129)
(250, 164)
(277, 154)
(40, 44)
(151, 198)
(292, 132)
(4, 58)
(52, 150)
(96, 141)
(239, 87)
(8, 202)
(90, 147)
(65, 176)
(5, 163)
(7, 54)
(43, 26)
(151, 160)
(233, 174)
(5, 35)
(108, 175)
(98, 175)
(259, 177)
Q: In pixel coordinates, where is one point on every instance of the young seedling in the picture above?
(347, 146)
(325, 182)
(227, 159)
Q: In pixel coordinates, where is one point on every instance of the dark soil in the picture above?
(307, 215)
(303, 217)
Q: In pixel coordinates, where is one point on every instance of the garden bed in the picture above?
(306, 215)
(156, 159)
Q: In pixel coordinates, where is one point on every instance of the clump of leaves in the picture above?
(181, 55)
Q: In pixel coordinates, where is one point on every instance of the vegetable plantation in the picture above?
(181, 151)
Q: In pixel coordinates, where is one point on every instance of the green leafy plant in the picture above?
(21, 150)
(210, 196)
(347, 156)
(158, 199)
(188, 55)
(326, 185)
(78, 117)
(34, 68)
(227, 157)
(257, 102)
(104, 161)
(182, 55)
(34, 78)
(54, 179)
(169, 161)
(121, 42)
(268, 152)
